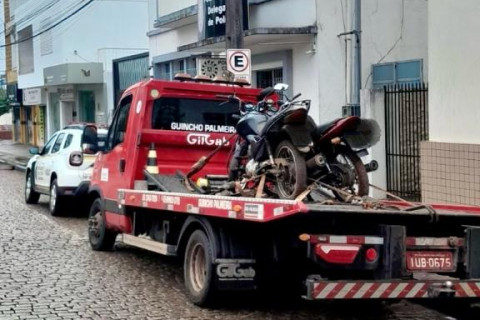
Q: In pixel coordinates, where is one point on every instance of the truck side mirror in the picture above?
(90, 140)
(89, 148)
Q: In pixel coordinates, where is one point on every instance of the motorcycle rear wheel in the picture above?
(292, 178)
(361, 187)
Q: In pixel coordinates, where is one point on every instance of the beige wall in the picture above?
(450, 173)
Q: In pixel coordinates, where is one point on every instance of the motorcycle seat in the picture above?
(320, 129)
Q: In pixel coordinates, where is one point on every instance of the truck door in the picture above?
(114, 159)
(41, 165)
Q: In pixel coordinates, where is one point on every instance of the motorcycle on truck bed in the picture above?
(150, 190)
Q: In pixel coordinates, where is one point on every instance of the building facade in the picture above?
(64, 52)
(309, 44)
(450, 160)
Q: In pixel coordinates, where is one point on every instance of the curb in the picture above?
(20, 167)
(14, 166)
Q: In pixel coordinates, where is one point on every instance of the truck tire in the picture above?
(101, 239)
(31, 196)
(56, 202)
(198, 269)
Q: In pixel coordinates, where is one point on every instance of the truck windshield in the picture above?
(194, 115)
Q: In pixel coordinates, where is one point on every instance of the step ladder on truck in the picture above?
(364, 249)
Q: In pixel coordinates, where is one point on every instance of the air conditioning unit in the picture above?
(211, 67)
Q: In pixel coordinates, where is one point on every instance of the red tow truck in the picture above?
(365, 250)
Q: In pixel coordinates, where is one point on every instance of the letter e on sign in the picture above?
(238, 63)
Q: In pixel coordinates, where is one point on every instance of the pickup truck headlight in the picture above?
(76, 158)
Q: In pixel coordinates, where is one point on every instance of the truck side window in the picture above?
(118, 128)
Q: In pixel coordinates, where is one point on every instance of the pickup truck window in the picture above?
(119, 124)
(183, 114)
(58, 143)
(49, 145)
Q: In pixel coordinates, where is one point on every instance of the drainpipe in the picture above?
(357, 55)
(353, 105)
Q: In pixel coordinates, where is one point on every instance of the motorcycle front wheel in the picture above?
(351, 164)
(292, 175)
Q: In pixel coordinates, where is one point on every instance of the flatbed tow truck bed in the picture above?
(263, 211)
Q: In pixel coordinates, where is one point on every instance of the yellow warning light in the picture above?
(132, 198)
(304, 237)
(154, 93)
(237, 208)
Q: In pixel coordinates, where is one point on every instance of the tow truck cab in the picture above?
(183, 120)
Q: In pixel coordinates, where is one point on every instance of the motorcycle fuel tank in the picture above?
(251, 124)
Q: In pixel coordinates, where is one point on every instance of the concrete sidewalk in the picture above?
(14, 154)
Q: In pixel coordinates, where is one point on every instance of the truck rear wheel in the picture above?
(101, 239)
(56, 202)
(198, 269)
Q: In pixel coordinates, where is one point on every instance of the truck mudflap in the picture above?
(391, 289)
(235, 274)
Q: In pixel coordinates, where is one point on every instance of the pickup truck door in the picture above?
(41, 165)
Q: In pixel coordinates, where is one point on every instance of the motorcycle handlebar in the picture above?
(295, 97)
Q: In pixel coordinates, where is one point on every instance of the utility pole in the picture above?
(234, 24)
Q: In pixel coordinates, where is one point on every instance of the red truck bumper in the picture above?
(401, 289)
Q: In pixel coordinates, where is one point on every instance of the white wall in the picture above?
(393, 30)
(373, 107)
(168, 42)
(165, 7)
(6, 119)
(282, 14)
(115, 24)
(454, 59)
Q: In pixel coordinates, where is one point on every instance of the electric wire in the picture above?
(35, 11)
(400, 37)
(72, 14)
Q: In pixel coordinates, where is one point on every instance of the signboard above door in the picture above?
(212, 18)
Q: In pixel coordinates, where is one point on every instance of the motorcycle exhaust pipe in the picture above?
(318, 161)
(371, 166)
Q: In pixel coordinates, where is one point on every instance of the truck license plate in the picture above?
(430, 260)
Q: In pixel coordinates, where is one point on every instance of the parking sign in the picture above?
(239, 63)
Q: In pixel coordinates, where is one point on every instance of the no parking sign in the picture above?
(239, 63)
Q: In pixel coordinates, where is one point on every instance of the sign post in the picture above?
(239, 63)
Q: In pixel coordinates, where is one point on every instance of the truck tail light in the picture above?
(371, 254)
(337, 253)
(76, 158)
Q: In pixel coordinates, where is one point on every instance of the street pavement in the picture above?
(14, 154)
(48, 271)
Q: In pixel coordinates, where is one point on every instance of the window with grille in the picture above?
(401, 72)
(268, 78)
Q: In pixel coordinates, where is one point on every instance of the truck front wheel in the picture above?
(101, 239)
(198, 269)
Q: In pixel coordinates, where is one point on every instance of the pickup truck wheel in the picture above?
(31, 196)
(101, 239)
(56, 202)
(198, 269)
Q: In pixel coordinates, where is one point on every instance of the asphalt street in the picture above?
(48, 271)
